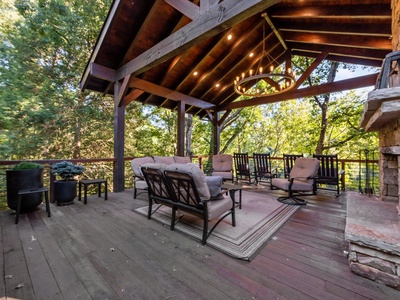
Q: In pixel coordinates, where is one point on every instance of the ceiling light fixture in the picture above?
(260, 83)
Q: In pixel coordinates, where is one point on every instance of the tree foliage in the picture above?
(43, 114)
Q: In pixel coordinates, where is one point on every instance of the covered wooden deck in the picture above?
(104, 250)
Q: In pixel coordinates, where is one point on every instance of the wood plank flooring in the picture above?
(104, 250)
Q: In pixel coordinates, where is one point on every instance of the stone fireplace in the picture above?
(382, 114)
(373, 223)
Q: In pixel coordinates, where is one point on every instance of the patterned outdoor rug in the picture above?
(257, 222)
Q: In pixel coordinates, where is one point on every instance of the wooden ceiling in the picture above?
(152, 48)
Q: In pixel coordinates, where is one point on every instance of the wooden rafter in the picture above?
(207, 25)
(168, 94)
(337, 86)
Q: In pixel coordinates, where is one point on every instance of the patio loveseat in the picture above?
(185, 189)
(139, 184)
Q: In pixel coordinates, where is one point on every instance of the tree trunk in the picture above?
(189, 130)
(323, 103)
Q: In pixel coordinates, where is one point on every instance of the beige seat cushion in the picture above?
(305, 168)
(298, 185)
(182, 159)
(164, 159)
(198, 177)
(222, 163)
(136, 164)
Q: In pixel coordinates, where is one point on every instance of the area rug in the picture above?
(257, 222)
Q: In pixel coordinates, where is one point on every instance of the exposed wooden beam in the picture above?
(311, 68)
(168, 94)
(278, 35)
(337, 86)
(226, 114)
(333, 39)
(333, 11)
(122, 90)
(205, 5)
(189, 9)
(102, 72)
(133, 95)
(214, 21)
(113, 11)
(209, 115)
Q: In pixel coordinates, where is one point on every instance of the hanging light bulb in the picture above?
(276, 79)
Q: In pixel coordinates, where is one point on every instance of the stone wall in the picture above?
(389, 177)
(375, 265)
(396, 25)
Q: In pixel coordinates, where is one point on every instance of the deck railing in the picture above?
(354, 175)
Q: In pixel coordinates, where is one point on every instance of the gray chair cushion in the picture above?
(214, 184)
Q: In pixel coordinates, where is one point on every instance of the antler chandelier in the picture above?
(258, 83)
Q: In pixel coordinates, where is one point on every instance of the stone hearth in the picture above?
(373, 233)
(373, 223)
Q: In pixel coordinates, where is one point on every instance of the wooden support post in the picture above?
(119, 139)
(216, 133)
(181, 128)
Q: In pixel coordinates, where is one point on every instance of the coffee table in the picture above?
(232, 189)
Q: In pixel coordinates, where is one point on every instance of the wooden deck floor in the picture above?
(104, 250)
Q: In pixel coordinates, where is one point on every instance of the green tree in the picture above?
(42, 61)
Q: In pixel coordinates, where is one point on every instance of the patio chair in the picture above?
(222, 165)
(262, 168)
(288, 162)
(301, 180)
(329, 174)
(139, 183)
(242, 167)
(191, 194)
(157, 187)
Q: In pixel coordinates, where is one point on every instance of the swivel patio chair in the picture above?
(222, 165)
(262, 168)
(288, 162)
(242, 167)
(191, 194)
(329, 177)
(301, 180)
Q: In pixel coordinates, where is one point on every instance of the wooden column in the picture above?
(181, 128)
(119, 139)
(216, 133)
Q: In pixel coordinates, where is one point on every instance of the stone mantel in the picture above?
(382, 108)
(394, 150)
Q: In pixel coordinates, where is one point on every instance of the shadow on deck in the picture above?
(104, 250)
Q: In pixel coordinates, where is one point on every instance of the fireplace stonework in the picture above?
(373, 223)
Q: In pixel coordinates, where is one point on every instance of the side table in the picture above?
(86, 183)
(44, 190)
(232, 189)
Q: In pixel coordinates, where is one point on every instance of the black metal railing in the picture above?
(355, 175)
